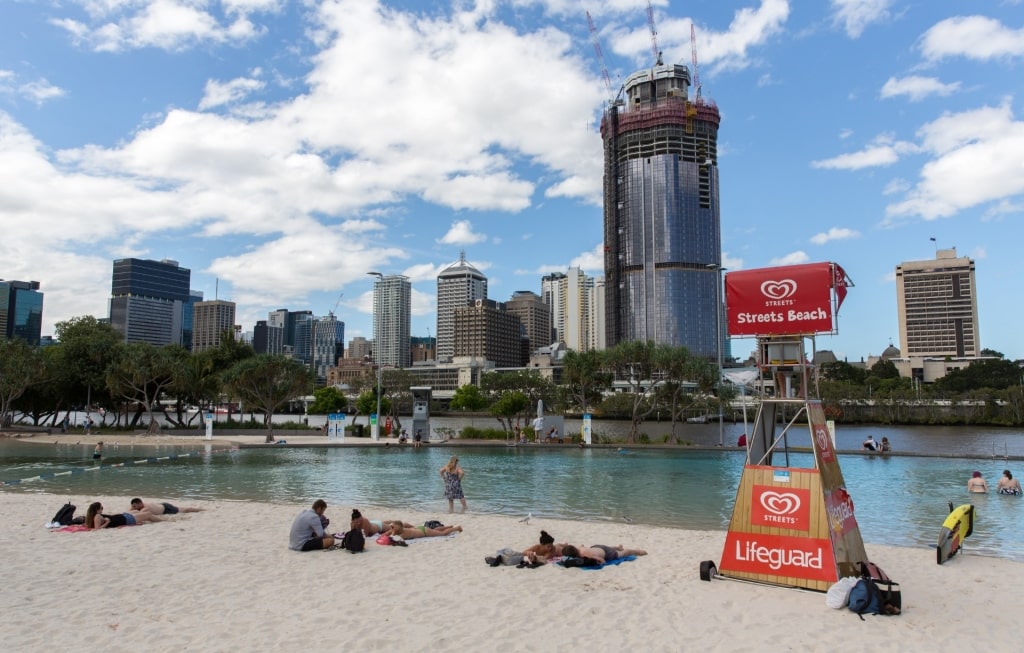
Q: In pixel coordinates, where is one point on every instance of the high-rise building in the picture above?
(21, 310)
(298, 334)
(188, 317)
(210, 321)
(569, 296)
(147, 298)
(661, 213)
(423, 349)
(392, 320)
(596, 316)
(457, 285)
(535, 316)
(938, 307)
(328, 345)
(485, 329)
(267, 339)
(359, 348)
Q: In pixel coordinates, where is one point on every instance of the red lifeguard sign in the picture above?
(790, 526)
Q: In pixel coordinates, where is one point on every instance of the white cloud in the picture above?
(972, 37)
(461, 233)
(218, 93)
(117, 25)
(37, 91)
(872, 156)
(794, 258)
(917, 88)
(717, 50)
(855, 15)
(845, 133)
(835, 233)
(975, 160)
(731, 262)
(591, 262)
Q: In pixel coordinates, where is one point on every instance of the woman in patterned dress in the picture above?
(452, 475)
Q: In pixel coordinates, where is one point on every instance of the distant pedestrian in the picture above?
(870, 444)
(65, 423)
(452, 475)
(886, 447)
(88, 425)
(417, 439)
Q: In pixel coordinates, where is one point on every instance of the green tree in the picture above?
(636, 363)
(468, 397)
(268, 381)
(196, 383)
(20, 367)
(682, 373)
(584, 378)
(141, 372)
(327, 400)
(996, 374)
(41, 401)
(85, 348)
(508, 409)
(843, 372)
(366, 403)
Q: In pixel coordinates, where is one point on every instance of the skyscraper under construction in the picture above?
(662, 234)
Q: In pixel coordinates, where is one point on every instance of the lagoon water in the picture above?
(899, 500)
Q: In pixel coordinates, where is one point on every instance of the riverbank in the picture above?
(223, 579)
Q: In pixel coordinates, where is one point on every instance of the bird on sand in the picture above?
(526, 519)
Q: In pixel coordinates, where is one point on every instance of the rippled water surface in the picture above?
(899, 500)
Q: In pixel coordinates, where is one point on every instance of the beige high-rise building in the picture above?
(210, 320)
(535, 316)
(937, 303)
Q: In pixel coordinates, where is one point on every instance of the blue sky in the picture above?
(285, 148)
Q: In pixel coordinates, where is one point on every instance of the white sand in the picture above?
(224, 580)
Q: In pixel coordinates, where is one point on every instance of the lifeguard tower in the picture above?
(792, 526)
(421, 410)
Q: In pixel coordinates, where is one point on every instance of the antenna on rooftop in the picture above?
(654, 34)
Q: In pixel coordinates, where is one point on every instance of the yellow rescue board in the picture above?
(958, 526)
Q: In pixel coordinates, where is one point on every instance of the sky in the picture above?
(282, 149)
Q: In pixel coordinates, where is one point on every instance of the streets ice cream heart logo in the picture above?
(780, 503)
(778, 289)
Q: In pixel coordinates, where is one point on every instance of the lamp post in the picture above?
(375, 431)
(718, 347)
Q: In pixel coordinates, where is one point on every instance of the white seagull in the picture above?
(527, 518)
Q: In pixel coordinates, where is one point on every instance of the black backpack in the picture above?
(65, 515)
(353, 540)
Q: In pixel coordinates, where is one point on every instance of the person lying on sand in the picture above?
(534, 555)
(600, 552)
(372, 526)
(161, 507)
(95, 519)
(411, 533)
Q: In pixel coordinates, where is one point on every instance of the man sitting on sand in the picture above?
(600, 552)
(308, 530)
(161, 507)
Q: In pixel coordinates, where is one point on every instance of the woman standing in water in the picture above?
(452, 475)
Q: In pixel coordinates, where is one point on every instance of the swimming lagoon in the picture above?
(899, 500)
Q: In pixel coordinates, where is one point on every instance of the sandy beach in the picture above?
(224, 580)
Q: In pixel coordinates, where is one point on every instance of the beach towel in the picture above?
(432, 538)
(73, 528)
(617, 561)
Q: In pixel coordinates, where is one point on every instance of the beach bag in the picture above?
(65, 515)
(433, 523)
(839, 594)
(353, 540)
(890, 597)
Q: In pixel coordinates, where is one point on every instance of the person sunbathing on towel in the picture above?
(534, 555)
(600, 552)
(398, 528)
(95, 519)
(371, 526)
(161, 507)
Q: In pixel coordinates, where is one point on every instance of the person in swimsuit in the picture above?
(161, 507)
(372, 526)
(97, 453)
(1008, 484)
(600, 552)
(452, 475)
(95, 519)
(414, 532)
(977, 483)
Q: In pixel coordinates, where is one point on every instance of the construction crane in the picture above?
(696, 75)
(654, 34)
(600, 57)
(331, 312)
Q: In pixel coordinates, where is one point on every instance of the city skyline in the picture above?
(278, 151)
